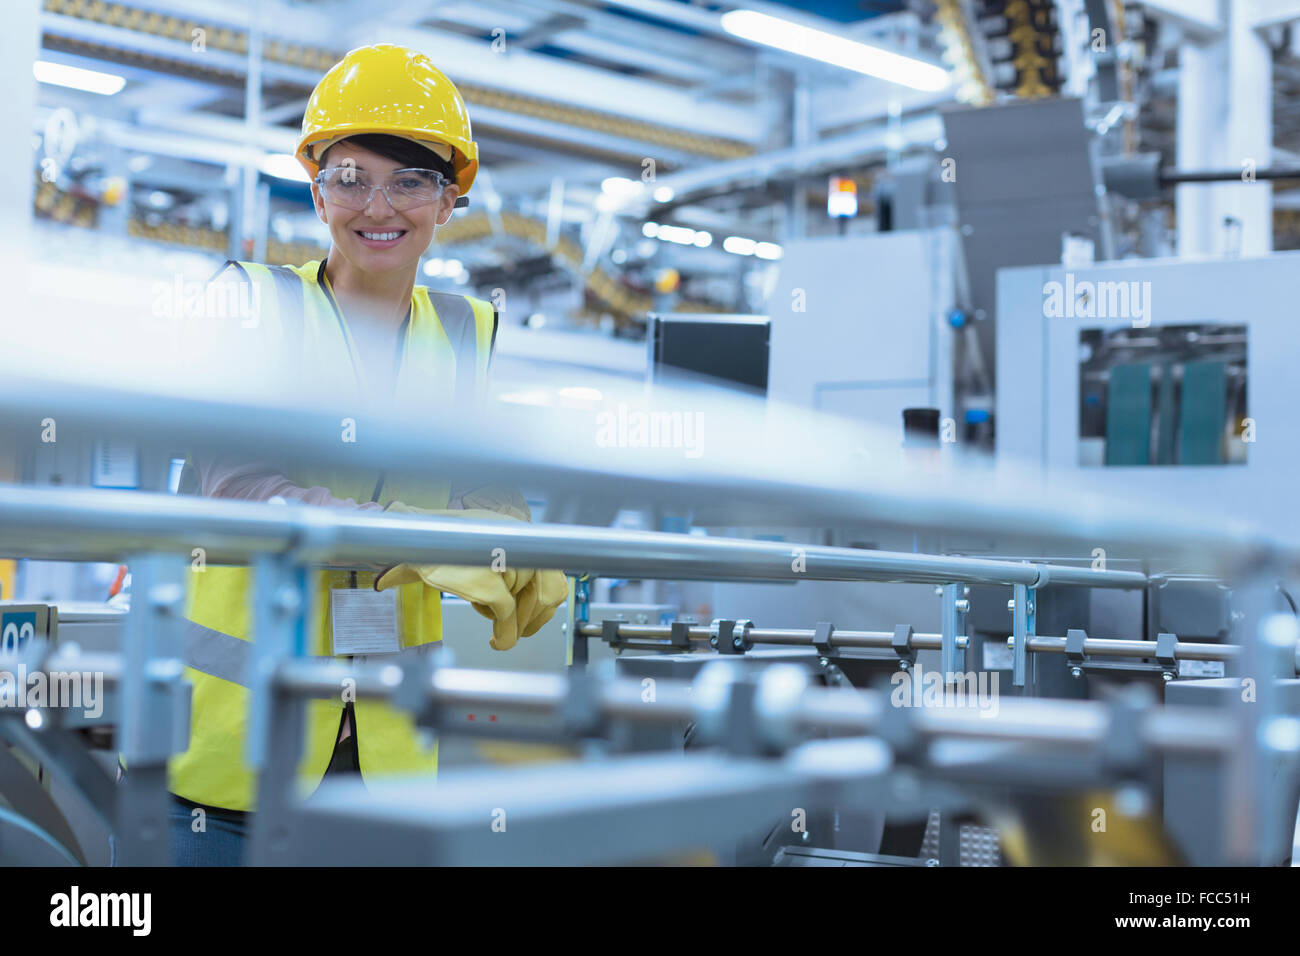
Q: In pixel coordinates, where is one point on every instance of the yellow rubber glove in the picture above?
(536, 602)
(498, 498)
(484, 588)
(495, 595)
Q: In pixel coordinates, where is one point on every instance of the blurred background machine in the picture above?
(1166, 373)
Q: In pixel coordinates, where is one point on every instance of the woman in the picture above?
(387, 142)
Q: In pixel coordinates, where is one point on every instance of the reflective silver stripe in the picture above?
(222, 655)
(216, 654)
(457, 318)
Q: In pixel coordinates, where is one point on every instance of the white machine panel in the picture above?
(1038, 358)
(859, 325)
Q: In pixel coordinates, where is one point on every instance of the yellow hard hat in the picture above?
(390, 89)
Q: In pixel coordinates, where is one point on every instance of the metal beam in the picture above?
(1261, 14)
(544, 31)
(803, 161)
(532, 74)
(1200, 18)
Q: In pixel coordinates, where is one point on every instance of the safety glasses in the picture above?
(405, 189)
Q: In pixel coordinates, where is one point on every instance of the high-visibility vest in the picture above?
(446, 344)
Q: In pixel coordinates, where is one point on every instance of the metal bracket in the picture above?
(902, 644)
(1074, 655)
(609, 632)
(580, 713)
(897, 729)
(413, 693)
(1074, 639)
(1123, 748)
(730, 637)
(952, 651)
(679, 635)
(741, 737)
(1166, 649)
(1023, 612)
(822, 633)
(579, 614)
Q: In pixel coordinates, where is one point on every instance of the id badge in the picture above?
(364, 621)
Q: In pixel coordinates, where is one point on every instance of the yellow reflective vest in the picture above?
(445, 346)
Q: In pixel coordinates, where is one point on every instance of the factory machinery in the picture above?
(726, 741)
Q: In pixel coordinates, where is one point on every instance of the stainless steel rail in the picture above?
(792, 636)
(106, 525)
(1113, 647)
(860, 713)
(762, 468)
(784, 710)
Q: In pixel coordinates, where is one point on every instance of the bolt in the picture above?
(1029, 608)
(905, 787)
(1076, 672)
(713, 641)
(963, 641)
(166, 598)
(1167, 676)
(1011, 605)
(931, 861)
(824, 661)
(1011, 643)
(804, 836)
(738, 643)
(1282, 734)
(962, 605)
(287, 599)
(904, 665)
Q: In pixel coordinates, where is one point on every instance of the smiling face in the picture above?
(379, 239)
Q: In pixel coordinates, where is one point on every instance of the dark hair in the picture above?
(400, 150)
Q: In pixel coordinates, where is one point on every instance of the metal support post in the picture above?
(155, 708)
(282, 595)
(952, 651)
(1023, 610)
(579, 615)
(1259, 828)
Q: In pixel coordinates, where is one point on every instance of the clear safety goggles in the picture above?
(353, 188)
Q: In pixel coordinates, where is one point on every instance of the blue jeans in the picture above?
(220, 841)
(225, 832)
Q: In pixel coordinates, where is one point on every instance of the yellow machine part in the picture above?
(1085, 829)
